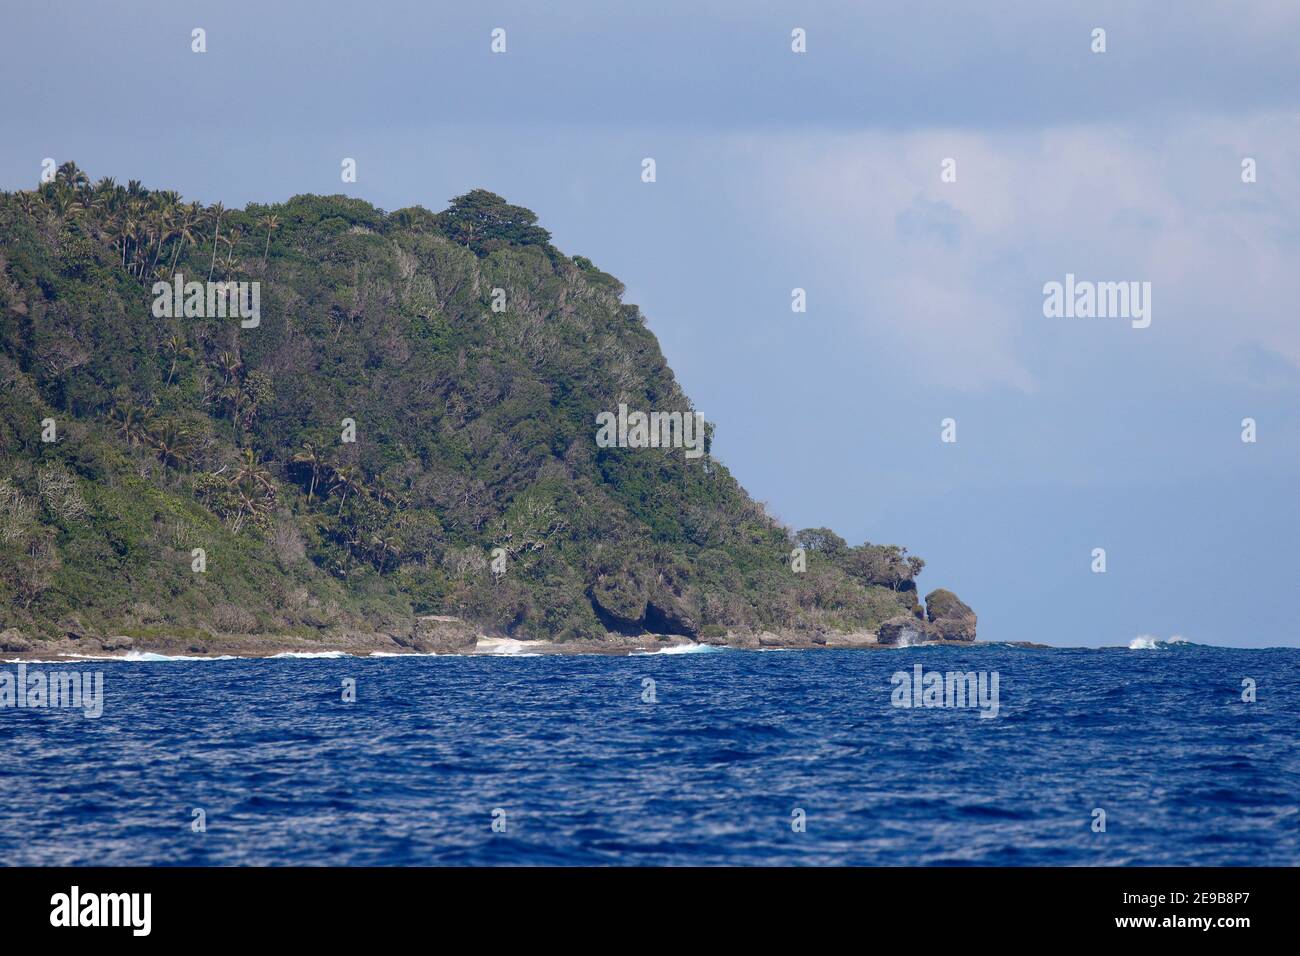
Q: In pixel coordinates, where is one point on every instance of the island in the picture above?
(318, 426)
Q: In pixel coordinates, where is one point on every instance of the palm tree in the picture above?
(271, 222)
(217, 211)
(311, 457)
(172, 440)
(250, 473)
(185, 232)
(251, 505)
(382, 545)
(347, 479)
(230, 364)
(228, 395)
(178, 348)
(231, 240)
(166, 203)
(130, 226)
(69, 173)
(150, 230)
(113, 227)
(131, 421)
(63, 204)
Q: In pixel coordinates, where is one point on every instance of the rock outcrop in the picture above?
(440, 634)
(667, 614)
(13, 640)
(72, 628)
(852, 639)
(630, 601)
(904, 629)
(620, 600)
(952, 619)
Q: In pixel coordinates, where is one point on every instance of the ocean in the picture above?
(711, 758)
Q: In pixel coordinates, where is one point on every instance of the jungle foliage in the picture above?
(474, 431)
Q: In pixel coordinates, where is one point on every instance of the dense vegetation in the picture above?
(474, 430)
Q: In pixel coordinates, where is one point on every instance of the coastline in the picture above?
(484, 645)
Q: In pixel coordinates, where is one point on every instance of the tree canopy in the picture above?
(471, 429)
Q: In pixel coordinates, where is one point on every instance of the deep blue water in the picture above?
(588, 773)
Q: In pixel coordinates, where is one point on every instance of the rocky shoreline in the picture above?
(450, 635)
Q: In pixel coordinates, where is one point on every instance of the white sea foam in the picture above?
(138, 657)
(1144, 642)
(679, 649)
(148, 657)
(910, 639)
(507, 646)
(310, 655)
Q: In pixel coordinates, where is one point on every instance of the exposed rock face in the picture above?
(73, 629)
(438, 634)
(118, 643)
(740, 637)
(791, 639)
(852, 639)
(631, 602)
(620, 600)
(950, 616)
(13, 640)
(667, 614)
(904, 629)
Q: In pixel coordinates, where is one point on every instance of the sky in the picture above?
(821, 170)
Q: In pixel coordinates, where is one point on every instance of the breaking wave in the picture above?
(1145, 642)
(681, 649)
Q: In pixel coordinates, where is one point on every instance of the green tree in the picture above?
(485, 222)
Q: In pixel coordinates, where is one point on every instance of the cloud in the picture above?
(951, 274)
